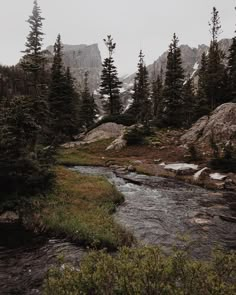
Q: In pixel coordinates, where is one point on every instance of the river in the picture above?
(156, 210)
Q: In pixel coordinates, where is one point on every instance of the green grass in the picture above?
(145, 270)
(80, 208)
(88, 154)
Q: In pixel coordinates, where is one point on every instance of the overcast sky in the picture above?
(134, 24)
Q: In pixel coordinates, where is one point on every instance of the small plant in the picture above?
(214, 146)
(193, 153)
(136, 134)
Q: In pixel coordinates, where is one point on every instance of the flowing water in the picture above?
(156, 210)
(163, 211)
(25, 259)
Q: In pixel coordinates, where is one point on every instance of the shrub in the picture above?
(136, 134)
(145, 271)
(193, 153)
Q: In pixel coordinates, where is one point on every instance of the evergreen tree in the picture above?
(232, 71)
(188, 102)
(88, 107)
(216, 74)
(62, 98)
(172, 112)
(141, 107)
(23, 168)
(157, 89)
(34, 60)
(110, 84)
(33, 65)
(202, 106)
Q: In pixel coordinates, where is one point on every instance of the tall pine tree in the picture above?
(88, 107)
(110, 84)
(33, 65)
(33, 61)
(188, 102)
(62, 98)
(216, 74)
(172, 112)
(157, 89)
(202, 106)
(141, 107)
(232, 71)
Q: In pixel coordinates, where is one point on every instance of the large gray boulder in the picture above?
(221, 125)
(104, 131)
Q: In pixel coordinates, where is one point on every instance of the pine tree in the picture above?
(110, 84)
(33, 65)
(232, 71)
(157, 89)
(172, 112)
(188, 102)
(141, 107)
(22, 163)
(33, 61)
(202, 106)
(216, 74)
(62, 98)
(88, 107)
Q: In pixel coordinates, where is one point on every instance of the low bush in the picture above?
(136, 135)
(224, 165)
(145, 271)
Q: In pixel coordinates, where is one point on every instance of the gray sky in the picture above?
(134, 24)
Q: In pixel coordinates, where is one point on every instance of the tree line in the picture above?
(41, 107)
(174, 100)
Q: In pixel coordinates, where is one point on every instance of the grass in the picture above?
(80, 208)
(145, 270)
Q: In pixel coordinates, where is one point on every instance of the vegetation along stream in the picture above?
(157, 210)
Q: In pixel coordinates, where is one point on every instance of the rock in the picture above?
(157, 161)
(230, 182)
(9, 217)
(201, 174)
(137, 162)
(104, 131)
(181, 168)
(221, 125)
(117, 144)
(220, 185)
(131, 168)
(82, 58)
(217, 176)
(71, 145)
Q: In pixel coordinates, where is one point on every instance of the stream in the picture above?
(156, 210)
(160, 211)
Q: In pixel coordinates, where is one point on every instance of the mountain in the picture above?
(191, 60)
(82, 58)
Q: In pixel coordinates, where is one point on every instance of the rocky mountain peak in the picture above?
(82, 58)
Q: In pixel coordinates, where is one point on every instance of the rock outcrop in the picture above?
(220, 125)
(82, 58)
(103, 131)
